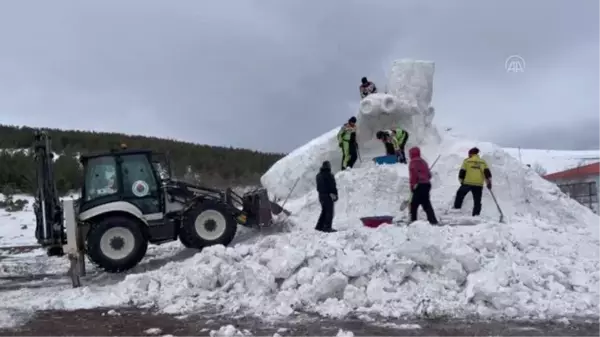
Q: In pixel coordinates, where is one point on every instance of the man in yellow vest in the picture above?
(473, 173)
(400, 139)
(347, 141)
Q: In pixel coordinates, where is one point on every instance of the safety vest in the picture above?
(391, 137)
(474, 168)
(400, 135)
(345, 133)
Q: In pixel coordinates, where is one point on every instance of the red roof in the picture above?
(578, 172)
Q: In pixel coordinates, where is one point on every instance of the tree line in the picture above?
(213, 165)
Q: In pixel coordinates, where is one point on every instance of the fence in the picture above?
(584, 193)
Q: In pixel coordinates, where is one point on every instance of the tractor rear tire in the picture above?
(116, 243)
(208, 224)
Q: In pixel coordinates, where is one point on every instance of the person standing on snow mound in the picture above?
(347, 141)
(472, 175)
(366, 88)
(419, 177)
(328, 195)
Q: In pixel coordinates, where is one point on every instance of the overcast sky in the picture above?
(273, 74)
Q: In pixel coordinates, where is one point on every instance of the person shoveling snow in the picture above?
(472, 175)
(419, 177)
(388, 141)
(395, 142)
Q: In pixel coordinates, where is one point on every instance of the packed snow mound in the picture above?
(408, 105)
(370, 189)
(519, 270)
(379, 189)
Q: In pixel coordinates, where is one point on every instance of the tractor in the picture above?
(129, 200)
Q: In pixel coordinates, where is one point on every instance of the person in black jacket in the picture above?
(328, 195)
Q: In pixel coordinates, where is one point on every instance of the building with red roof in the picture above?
(580, 183)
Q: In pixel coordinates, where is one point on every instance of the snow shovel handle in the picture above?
(434, 162)
(290, 193)
(497, 205)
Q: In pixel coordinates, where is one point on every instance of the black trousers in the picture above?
(462, 192)
(402, 156)
(420, 197)
(389, 149)
(326, 217)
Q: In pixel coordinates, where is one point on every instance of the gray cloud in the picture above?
(271, 75)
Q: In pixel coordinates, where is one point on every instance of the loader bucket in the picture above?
(257, 204)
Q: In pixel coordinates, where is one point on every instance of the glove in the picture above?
(334, 197)
(489, 184)
(414, 187)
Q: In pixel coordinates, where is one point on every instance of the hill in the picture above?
(213, 165)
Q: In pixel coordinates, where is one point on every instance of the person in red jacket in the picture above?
(419, 177)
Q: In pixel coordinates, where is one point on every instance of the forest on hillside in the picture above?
(212, 165)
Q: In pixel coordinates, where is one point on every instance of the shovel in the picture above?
(405, 202)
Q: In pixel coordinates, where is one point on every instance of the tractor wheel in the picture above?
(116, 243)
(208, 224)
(185, 242)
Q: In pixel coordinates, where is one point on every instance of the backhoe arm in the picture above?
(50, 231)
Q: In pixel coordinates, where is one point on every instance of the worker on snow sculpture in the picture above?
(401, 136)
(395, 139)
(472, 175)
(366, 88)
(389, 141)
(347, 141)
(419, 177)
(328, 195)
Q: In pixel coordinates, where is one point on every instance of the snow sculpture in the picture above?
(407, 105)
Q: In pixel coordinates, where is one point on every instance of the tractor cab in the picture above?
(123, 175)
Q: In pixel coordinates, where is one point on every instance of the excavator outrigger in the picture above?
(128, 200)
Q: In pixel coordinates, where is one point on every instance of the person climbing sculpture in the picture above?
(347, 142)
(366, 88)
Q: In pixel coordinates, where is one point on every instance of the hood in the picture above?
(414, 152)
(473, 151)
(326, 166)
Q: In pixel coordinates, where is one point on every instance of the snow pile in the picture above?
(229, 331)
(344, 333)
(518, 270)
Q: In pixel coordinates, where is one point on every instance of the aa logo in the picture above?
(514, 64)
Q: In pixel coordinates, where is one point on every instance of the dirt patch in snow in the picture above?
(136, 322)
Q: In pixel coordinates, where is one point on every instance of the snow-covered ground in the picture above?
(17, 228)
(542, 262)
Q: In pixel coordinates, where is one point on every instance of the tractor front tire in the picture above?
(208, 224)
(185, 242)
(116, 243)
